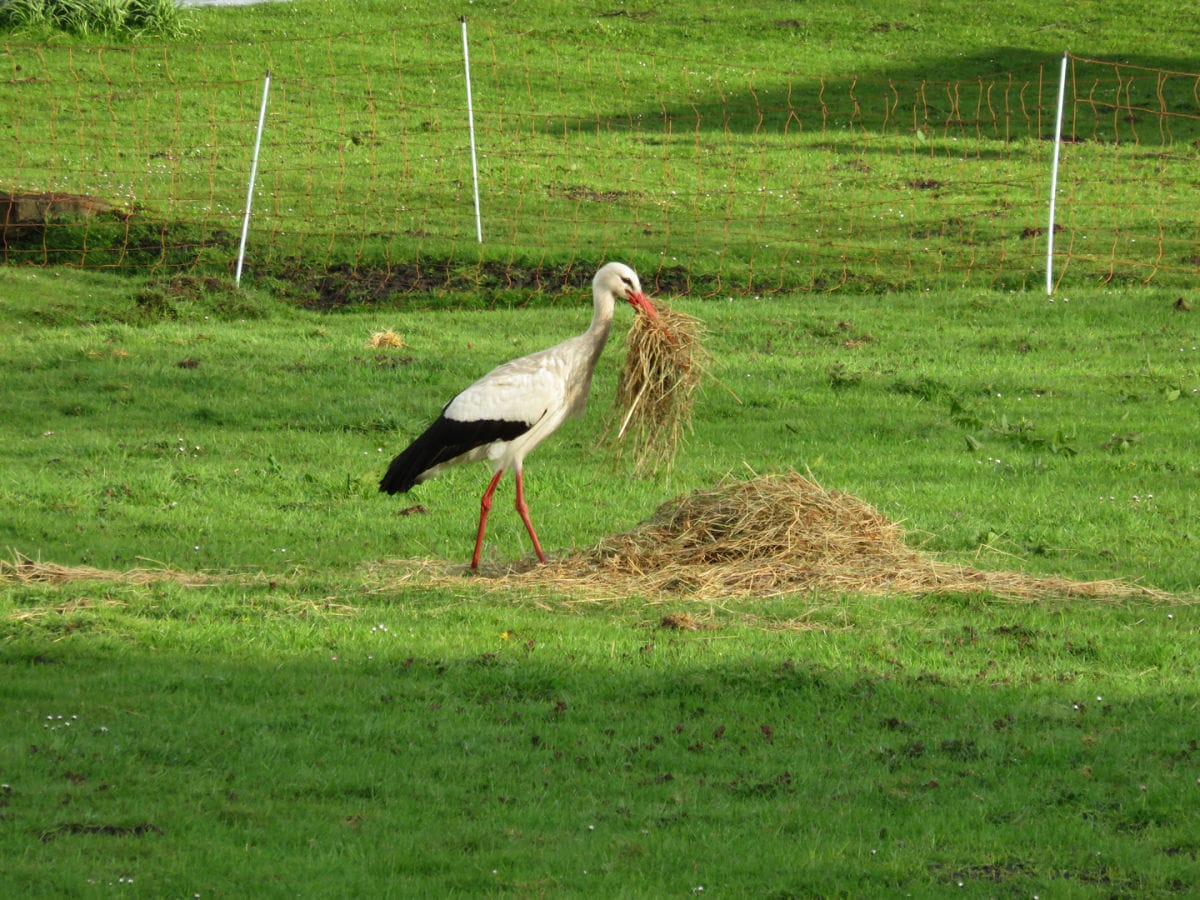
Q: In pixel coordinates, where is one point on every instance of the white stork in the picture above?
(512, 409)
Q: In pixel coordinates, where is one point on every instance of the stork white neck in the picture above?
(615, 281)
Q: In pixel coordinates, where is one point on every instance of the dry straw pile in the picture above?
(656, 388)
(388, 339)
(781, 534)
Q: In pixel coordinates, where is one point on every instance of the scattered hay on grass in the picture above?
(25, 570)
(656, 388)
(69, 608)
(28, 571)
(774, 535)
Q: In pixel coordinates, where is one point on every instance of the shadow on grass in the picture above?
(655, 763)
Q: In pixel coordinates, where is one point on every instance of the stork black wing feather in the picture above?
(441, 442)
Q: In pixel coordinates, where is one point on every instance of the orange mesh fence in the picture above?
(709, 176)
(1129, 211)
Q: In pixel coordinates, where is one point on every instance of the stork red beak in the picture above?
(642, 302)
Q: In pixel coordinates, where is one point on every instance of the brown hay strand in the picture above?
(774, 535)
(656, 388)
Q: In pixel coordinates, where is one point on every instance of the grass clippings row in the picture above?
(773, 535)
(26, 570)
(765, 536)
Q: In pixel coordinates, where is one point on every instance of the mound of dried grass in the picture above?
(385, 340)
(656, 388)
(782, 534)
(755, 535)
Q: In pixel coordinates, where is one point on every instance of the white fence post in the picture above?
(1058, 119)
(262, 117)
(471, 128)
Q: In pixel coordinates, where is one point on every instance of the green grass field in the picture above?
(740, 148)
(233, 666)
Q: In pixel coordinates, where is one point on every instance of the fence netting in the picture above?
(709, 175)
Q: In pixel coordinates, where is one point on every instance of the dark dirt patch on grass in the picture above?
(343, 286)
(139, 829)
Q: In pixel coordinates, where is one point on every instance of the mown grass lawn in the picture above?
(300, 708)
(315, 738)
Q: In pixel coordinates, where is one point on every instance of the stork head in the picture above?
(622, 282)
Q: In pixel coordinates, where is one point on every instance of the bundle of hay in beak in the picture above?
(656, 388)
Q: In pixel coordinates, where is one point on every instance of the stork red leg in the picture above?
(485, 506)
(523, 512)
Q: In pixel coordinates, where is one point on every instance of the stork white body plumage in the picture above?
(516, 406)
